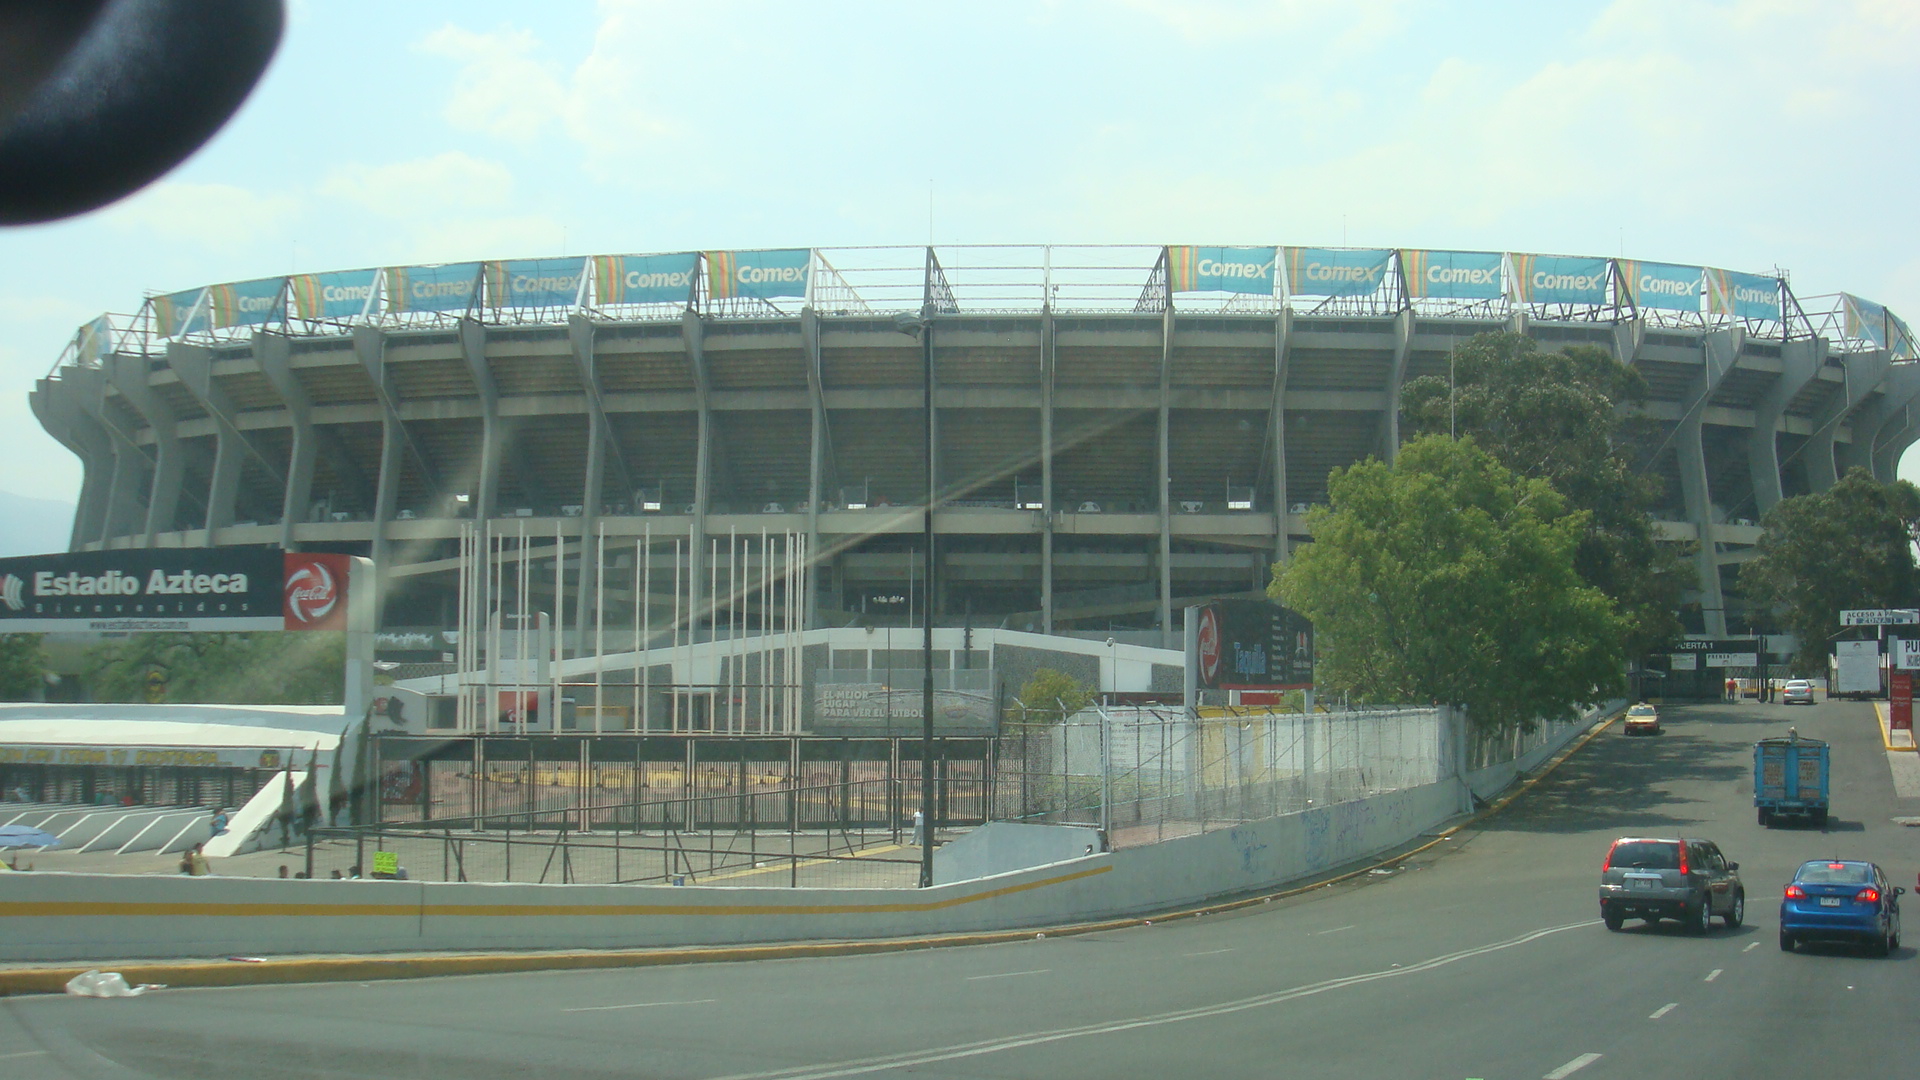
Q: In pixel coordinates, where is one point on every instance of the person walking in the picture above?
(1733, 689)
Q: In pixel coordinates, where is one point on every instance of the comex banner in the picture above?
(341, 294)
(1744, 296)
(1666, 286)
(447, 287)
(1453, 275)
(644, 279)
(205, 589)
(1217, 269)
(1560, 279)
(534, 283)
(245, 303)
(762, 274)
(1335, 271)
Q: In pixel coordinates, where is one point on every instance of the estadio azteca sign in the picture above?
(198, 589)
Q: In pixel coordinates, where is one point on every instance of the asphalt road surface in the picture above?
(1483, 960)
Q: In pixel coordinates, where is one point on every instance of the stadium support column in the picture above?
(1718, 351)
(816, 453)
(129, 376)
(485, 501)
(1893, 440)
(370, 346)
(1047, 516)
(600, 445)
(55, 404)
(1396, 374)
(1863, 374)
(194, 366)
(1800, 361)
(274, 354)
(1277, 436)
(1163, 478)
(123, 511)
(1897, 384)
(693, 335)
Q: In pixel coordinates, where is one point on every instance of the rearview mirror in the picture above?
(1733, 866)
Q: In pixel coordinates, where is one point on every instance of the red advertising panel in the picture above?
(315, 594)
(1900, 701)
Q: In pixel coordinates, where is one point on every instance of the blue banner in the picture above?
(341, 294)
(1335, 271)
(245, 303)
(179, 313)
(445, 287)
(534, 283)
(1217, 269)
(762, 274)
(1453, 275)
(644, 279)
(1745, 296)
(1666, 286)
(1559, 279)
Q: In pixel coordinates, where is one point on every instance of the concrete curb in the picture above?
(1885, 724)
(53, 980)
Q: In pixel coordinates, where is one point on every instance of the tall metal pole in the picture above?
(926, 610)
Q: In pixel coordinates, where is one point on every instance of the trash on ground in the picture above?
(249, 959)
(106, 984)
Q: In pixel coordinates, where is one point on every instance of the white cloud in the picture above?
(1354, 25)
(471, 238)
(501, 89)
(422, 187)
(219, 216)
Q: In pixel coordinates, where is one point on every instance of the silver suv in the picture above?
(1656, 878)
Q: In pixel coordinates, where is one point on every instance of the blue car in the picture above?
(1841, 900)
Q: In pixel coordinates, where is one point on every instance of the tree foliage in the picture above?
(268, 668)
(22, 667)
(1562, 417)
(1850, 546)
(1446, 578)
(1049, 697)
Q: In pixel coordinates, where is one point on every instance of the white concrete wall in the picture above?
(1000, 846)
(64, 917)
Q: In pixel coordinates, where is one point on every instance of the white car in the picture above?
(1797, 692)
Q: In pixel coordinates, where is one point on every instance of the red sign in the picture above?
(315, 594)
(517, 707)
(1209, 645)
(1900, 701)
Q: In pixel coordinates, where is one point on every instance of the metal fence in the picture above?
(1148, 774)
(852, 835)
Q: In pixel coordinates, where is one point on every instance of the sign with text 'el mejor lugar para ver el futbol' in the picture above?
(184, 589)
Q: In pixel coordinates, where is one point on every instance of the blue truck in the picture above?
(1790, 778)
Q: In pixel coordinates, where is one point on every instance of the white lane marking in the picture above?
(1751, 945)
(1572, 1067)
(1209, 952)
(1009, 974)
(861, 1066)
(1714, 974)
(1663, 1010)
(21, 1054)
(1335, 930)
(639, 1005)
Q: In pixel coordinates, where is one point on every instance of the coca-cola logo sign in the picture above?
(315, 596)
(1209, 644)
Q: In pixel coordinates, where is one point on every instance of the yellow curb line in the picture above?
(1886, 730)
(364, 968)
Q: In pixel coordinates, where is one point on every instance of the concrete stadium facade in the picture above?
(1099, 460)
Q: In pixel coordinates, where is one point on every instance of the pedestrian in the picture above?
(283, 870)
(197, 862)
(220, 820)
(1733, 689)
(337, 876)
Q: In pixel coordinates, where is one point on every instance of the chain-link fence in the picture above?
(1147, 774)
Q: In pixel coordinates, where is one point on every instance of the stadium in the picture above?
(1114, 432)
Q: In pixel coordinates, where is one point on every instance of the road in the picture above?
(1482, 959)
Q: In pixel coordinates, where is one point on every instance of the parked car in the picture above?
(1656, 878)
(1643, 719)
(1797, 692)
(1841, 900)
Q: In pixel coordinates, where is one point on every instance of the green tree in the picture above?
(1850, 546)
(267, 668)
(1446, 578)
(1049, 697)
(22, 667)
(1566, 417)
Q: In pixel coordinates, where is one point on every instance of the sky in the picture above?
(1751, 134)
